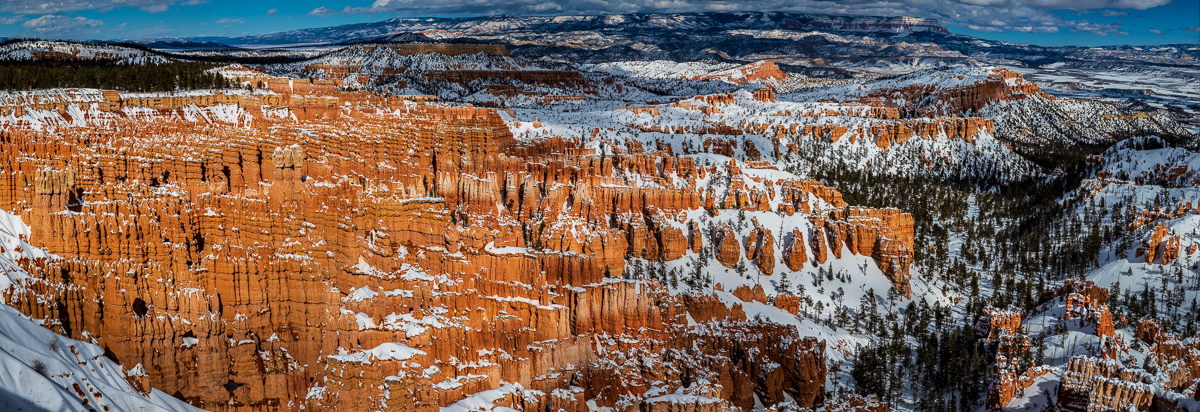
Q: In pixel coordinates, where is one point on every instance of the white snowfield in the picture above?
(42, 371)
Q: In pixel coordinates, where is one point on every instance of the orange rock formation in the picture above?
(1161, 246)
(411, 257)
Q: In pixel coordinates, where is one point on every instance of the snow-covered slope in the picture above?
(71, 51)
(661, 69)
(1147, 183)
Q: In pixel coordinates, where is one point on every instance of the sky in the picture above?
(1041, 22)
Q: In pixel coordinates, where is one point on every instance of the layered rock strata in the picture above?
(399, 255)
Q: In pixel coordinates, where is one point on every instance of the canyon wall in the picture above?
(392, 254)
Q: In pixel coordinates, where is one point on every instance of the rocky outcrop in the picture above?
(774, 365)
(1075, 390)
(760, 248)
(1119, 395)
(788, 302)
(1006, 384)
(1093, 384)
(750, 294)
(728, 250)
(553, 78)
(1090, 312)
(999, 85)
(695, 237)
(794, 254)
(996, 323)
(1002, 329)
(1161, 246)
(795, 195)
(766, 94)
(761, 70)
(884, 234)
(705, 308)
(388, 252)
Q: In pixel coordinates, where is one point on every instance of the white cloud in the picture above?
(1190, 29)
(5, 21)
(325, 11)
(56, 24)
(66, 6)
(272, 11)
(1158, 32)
(229, 20)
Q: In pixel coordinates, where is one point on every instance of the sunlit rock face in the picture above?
(354, 252)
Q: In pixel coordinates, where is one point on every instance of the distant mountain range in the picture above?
(607, 24)
(787, 38)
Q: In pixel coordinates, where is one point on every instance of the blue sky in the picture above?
(1044, 22)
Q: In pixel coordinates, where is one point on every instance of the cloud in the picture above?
(5, 21)
(56, 24)
(1158, 32)
(1190, 29)
(229, 20)
(1103, 13)
(65, 6)
(272, 11)
(324, 11)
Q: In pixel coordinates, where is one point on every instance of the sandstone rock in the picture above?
(254, 266)
(788, 302)
(1075, 390)
(884, 234)
(1161, 246)
(750, 294)
(794, 254)
(760, 248)
(728, 250)
(695, 237)
(1119, 395)
(996, 323)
